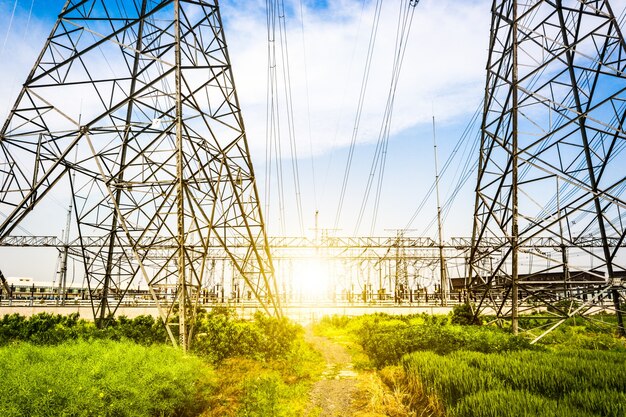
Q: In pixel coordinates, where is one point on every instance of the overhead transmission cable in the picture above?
(276, 23)
(273, 142)
(470, 127)
(359, 110)
(470, 166)
(6, 37)
(290, 118)
(465, 173)
(26, 32)
(464, 177)
(270, 121)
(569, 190)
(308, 107)
(405, 19)
(345, 84)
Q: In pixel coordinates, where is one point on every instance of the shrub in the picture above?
(277, 335)
(386, 344)
(220, 335)
(52, 329)
(463, 314)
(145, 330)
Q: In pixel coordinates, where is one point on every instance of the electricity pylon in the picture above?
(552, 162)
(132, 107)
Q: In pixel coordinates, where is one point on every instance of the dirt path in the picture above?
(336, 393)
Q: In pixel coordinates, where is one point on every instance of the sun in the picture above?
(311, 279)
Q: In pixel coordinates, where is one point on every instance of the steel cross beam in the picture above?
(493, 243)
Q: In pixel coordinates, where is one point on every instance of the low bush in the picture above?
(221, 335)
(386, 345)
(52, 329)
(463, 314)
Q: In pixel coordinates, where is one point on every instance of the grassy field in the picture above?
(65, 366)
(446, 369)
(102, 378)
(565, 383)
(429, 365)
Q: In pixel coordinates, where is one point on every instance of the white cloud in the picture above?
(444, 67)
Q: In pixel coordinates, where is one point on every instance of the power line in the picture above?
(308, 106)
(406, 20)
(290, 118)
(359, 111)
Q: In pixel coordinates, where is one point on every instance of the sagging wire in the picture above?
(308, 107)
(405, 19)
(272, 131)
(359, 110)
(284, 48)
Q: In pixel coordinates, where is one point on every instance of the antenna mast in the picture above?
(443, 290)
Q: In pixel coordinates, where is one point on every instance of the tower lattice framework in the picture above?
(131, 106)
(552, 163)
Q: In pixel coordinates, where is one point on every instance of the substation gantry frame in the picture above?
(153, 151)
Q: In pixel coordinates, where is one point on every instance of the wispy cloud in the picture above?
(443, 67)
(443, 70)
(444, 63)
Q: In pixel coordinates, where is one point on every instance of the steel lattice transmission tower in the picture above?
(132, 105)
(552, 162)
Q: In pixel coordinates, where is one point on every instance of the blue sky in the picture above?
(443, 74)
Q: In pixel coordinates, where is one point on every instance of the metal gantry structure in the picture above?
(132, 107)
(131, 111)
(551, 161)
(326, 270)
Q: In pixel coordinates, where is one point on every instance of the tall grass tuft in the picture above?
(101, 378)
(528, 383)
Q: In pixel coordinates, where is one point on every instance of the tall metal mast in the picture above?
(443, 279)
(163, 173)
(554, 112)
(514, 179)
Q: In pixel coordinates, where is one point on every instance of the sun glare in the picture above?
(312, 279)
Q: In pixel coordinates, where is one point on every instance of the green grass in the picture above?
(565, 383)
(482, 371)
(102, 378)
(56, 365)
(386, 339)
(276, 387)
(64, 366)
